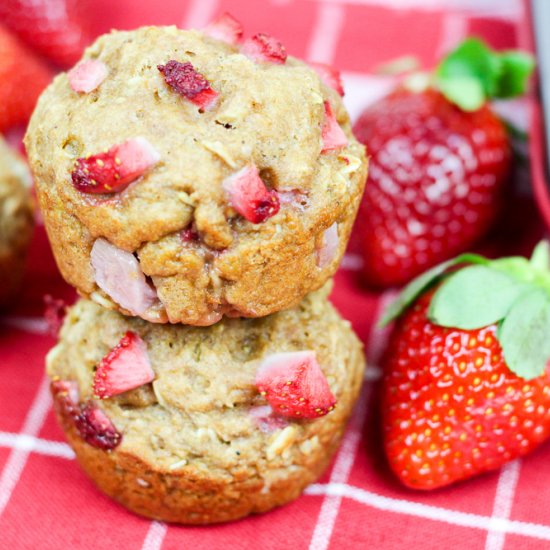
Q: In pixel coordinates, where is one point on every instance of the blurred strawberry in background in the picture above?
(23, 76)
(53, 28)
(439, 162)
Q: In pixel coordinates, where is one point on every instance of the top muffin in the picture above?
(183, 177)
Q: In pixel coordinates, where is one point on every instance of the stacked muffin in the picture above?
(16, 221)
(198, 190)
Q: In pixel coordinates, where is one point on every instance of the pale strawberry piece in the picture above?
(119, 275)
(329, 248)
(264, 48)
(96, 428)
(294, 385)
(294, 198)
(265, 419)
(66, 389)
(329, 75)
(87, 75)
(332, 134)
(249, 196)
(125, 367)
(113, 170)
(185, 80)
(225, 28)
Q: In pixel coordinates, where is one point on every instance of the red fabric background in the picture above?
(45, 500)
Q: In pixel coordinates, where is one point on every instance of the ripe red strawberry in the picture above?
(124, 368)
(294, 385)
(22, 78)
(225, 28)
(332, 135)
(87, 75)
(439, 162)
(92, 424)
(330, 76)
(186, 81)
(461, 401)
(55, 28)
(113, 170)
(264, 48)
(249, 196)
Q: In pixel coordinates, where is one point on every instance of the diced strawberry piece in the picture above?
(329, 75)
(265, 419)
(95, 427)
(249, 196)
(87, 75)
(184, 79)
(189, 235)
(113, 170)
(225, 28)
(332, 134)
(67, 396)
(296, 198)
(119, 274)
(294, 385)
(263, 47)
(124, 368)
(329, 248)
(54, 313)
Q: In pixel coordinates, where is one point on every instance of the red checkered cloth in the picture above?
(46, 502)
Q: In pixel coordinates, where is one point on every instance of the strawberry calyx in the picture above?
(474, 292)
(473, 73)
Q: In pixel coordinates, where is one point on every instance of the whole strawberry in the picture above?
(22, 79)
(55, 28)
(439, 161)
(467, 383)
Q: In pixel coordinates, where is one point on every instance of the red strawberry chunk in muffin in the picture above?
(264, 48)
(87, 75)
(330, 76)
(332, 134)
(113, 170)
(95, 427)
(225, 28)
(124, 368)
(184, 79)
(249, 196)
(294, 385)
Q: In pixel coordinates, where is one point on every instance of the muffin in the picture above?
(16, 221)
(200, 443)
(183, 178)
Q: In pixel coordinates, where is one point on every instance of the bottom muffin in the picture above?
(16, 221)
(221, 421)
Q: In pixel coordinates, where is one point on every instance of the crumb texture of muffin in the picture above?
(195, 446)
(207, 237)
(16, 221)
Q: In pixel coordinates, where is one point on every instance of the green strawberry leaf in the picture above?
(417, 286)
(474, 73)
(474, 297)
(524, 334)
(517, 66)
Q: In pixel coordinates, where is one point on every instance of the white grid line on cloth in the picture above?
(348, 450)
(504, 500)
(389, 504)
(18, 457)
(155, 536)
(26, 442)
(454, 28)
(200, 13)
(33, 325)
(427, 511)
(326, 33)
